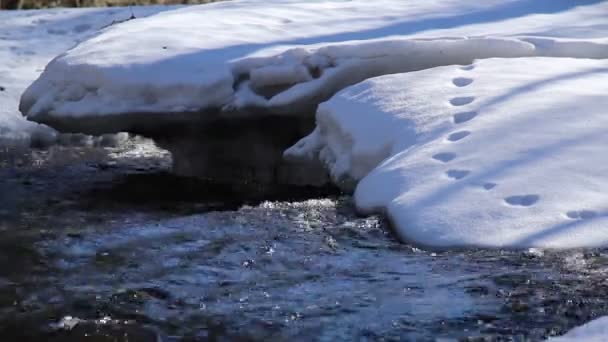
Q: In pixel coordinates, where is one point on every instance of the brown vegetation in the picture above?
(31, 4)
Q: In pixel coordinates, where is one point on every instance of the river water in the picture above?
(105, 244)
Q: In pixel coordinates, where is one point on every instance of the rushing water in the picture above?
(105, 244)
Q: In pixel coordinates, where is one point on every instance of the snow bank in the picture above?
(339, 65)
(595, 331)
(28, 41)
(287, 56)
(500, 153)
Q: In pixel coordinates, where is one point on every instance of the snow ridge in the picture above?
(289, 82)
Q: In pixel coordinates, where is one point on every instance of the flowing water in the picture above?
(105, 245)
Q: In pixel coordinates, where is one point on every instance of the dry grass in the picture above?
(32, 4)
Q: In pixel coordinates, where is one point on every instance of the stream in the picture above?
(105, 244)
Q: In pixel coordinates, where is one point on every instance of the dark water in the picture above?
(105, 245)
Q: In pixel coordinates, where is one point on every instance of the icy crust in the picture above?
(500, 153)
(287, 56)
(594, 331)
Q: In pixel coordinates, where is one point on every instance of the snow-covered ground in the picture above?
(28, 41)
(594, 331)
(503, 152)
(281, 53)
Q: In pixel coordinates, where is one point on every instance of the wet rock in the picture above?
(243, 150)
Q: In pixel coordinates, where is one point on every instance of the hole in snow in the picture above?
(444, 156)
(457, 174)
(581, 214)
(522, 200)
(489, 186)
(461, 101)
(464, 117)
(462, 81)
(458, 135)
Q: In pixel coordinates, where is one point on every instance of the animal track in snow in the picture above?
(462, 81)
(464, 117)
(462, 100)
(457, 174)
(458, 135)
(581, 214)
(444, 156)
(489, 186)
(522, 200)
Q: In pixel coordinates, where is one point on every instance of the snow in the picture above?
(467, 123)
(594, 331)
(286, 56)
(501, 153)
(28, 41)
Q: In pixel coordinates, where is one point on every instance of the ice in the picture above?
(500, 153)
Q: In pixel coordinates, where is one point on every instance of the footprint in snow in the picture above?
(458, 136)
(522, 200)
(467, 67)
(462, 100)
(457, 174)
(462, 81)
(581, 214)
(444, 156)
(464, 117)
(489, 185)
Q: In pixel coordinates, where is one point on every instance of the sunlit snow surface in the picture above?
(28, 41)
(283, 54)
(501, 153)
